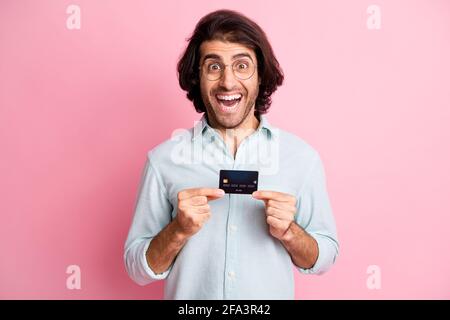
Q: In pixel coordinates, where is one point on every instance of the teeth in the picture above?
(229, 98)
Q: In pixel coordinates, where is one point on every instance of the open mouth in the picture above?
(228, 102)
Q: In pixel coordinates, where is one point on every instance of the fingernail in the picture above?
(255, 193)
(220, 192)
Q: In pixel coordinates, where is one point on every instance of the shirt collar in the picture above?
(202, 126)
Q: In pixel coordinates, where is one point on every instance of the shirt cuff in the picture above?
(326, 258)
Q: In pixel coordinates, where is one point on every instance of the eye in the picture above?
(242, 65)
(214, 67)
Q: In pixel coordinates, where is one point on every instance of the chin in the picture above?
(231, 125)
(228, 122)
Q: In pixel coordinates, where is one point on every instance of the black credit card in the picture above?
(238, 181)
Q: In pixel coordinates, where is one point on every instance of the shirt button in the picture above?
(231, 274)
(233, 228)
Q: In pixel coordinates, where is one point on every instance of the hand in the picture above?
(193, 209)
(280, 211)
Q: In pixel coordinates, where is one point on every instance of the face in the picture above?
(229, 101)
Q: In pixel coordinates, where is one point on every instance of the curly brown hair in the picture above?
(230, 26)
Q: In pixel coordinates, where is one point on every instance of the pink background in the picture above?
(79, 109)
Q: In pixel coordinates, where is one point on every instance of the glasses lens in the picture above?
(242, 69)
(213, 70)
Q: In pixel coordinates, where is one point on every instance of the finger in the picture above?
(202, 209)
(276, 223)
(212, 198)
(208, 192)
(279, 214)
(280, 205)
(275, 195)
(205, 216)
(196, 201)
(200, 200)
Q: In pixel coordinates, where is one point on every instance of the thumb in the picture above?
(215, 197)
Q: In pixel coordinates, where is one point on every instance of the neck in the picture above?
(245, 128)
(234, 136)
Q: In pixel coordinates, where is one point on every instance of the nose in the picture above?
(228, 80)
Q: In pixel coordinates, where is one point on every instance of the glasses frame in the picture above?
(224, 68)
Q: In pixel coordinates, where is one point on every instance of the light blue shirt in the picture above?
(233, 256)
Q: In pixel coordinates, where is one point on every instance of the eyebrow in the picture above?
(236, 56)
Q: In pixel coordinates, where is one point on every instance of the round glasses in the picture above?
(242, 69)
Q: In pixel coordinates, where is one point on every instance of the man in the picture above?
(211, 245)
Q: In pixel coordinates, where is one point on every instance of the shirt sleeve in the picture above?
(152, 213)
(316, 217)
